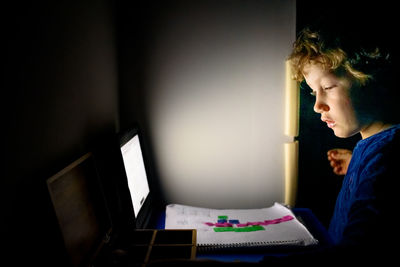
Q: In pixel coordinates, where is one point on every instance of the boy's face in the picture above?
(332, 100)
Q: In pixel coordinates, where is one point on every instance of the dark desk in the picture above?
(303, 214)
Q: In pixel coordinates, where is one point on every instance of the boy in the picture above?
(353, 84)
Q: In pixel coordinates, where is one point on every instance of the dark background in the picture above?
(72, 76)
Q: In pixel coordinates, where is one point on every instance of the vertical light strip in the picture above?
(291, 103)
(291, 172)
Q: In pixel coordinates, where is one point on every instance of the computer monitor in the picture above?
(81, 210)
(136, 174)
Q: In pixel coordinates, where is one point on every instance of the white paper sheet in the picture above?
(287, 233)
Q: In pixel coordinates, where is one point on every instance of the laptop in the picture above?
(136, 173)
(78, 195)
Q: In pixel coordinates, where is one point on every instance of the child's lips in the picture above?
(329, 123)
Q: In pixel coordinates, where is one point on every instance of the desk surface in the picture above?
(303, 214)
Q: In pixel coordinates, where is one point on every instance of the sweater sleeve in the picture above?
(371, 220)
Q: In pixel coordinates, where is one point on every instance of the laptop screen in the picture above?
(135, 172)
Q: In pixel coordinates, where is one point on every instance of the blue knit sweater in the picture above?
(365, 208)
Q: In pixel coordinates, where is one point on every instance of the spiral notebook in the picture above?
(229, 228)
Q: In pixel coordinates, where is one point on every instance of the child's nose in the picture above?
(320, 105)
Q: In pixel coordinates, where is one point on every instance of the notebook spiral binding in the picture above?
(248, 245)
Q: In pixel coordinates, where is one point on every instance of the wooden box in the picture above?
(155, 245)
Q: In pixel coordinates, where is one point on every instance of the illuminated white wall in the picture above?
(216, 101)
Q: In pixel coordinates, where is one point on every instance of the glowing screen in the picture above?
(135, 172)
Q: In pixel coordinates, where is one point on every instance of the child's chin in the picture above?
(343, 134)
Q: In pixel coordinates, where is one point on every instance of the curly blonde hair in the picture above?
(314, 47)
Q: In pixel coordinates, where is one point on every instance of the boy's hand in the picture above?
(339, 159)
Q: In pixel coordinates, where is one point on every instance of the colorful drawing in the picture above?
(233, 225)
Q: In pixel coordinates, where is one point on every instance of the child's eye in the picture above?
(329, 87)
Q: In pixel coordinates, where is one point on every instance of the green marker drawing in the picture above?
(240, 229)
(224, 229)
(250, 228)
